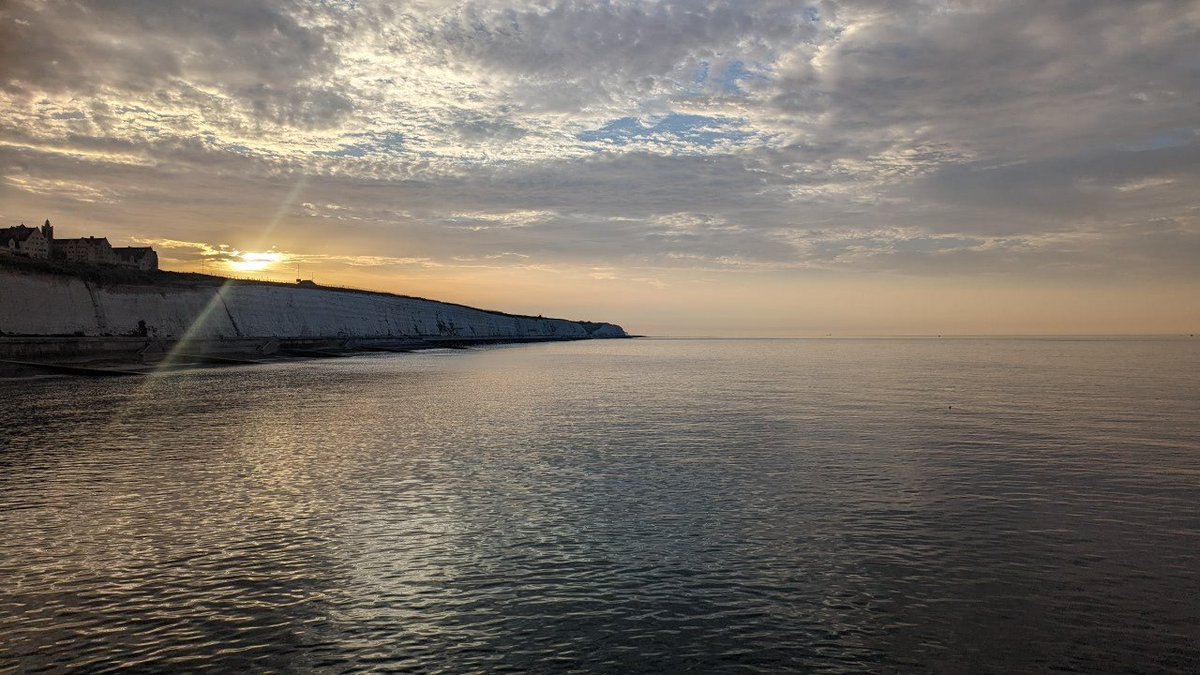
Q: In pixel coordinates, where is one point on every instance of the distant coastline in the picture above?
(62, 312)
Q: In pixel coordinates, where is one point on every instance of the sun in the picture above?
(246, 261)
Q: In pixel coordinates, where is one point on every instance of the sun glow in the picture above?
(245, 261)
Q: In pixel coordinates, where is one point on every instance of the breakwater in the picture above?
(55, 315)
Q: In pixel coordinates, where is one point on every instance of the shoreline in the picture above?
(22, 357)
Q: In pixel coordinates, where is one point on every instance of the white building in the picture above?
(142, 257)
(91, 250)
(34, 242)
(30, 242)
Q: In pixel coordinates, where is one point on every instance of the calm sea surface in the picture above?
(963, 505)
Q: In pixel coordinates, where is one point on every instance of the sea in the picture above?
(968, 505)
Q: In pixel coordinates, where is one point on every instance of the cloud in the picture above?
(233, 258)
(79, 192)
(916, 137)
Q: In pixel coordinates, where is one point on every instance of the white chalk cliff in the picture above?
(41, 304)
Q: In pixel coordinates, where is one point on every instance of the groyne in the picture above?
(48, 314)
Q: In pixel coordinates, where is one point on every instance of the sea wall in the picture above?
(43, 304)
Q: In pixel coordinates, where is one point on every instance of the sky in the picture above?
(773, 168)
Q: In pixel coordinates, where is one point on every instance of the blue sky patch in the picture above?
(1167, 139)
(726, 77)
(373, 143)
(671, 129)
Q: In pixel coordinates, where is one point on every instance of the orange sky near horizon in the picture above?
(687, 303)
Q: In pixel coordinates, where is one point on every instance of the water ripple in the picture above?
(819, 505)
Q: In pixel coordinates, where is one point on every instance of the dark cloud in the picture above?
(573, 52)
(1011, 78)
(1098, 186)
(255, 50)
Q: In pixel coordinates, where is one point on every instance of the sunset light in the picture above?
(253, 262)
(590, 336)
(706, 159)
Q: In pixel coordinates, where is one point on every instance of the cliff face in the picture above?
(39, 304)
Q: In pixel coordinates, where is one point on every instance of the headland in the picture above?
(72, 313)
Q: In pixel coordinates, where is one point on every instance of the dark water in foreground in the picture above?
(626, 505)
